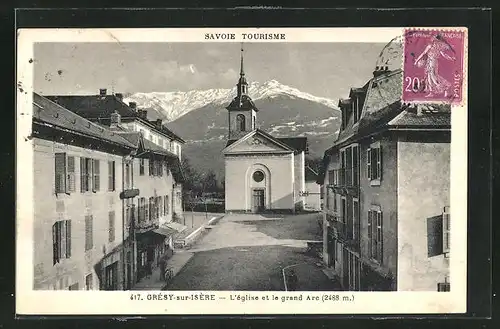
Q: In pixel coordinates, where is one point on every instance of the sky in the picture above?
(321, 69)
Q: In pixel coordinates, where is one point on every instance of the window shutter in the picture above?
(370, 233)
(96, 174)
(83, 170)
(71, 174)
(55, 244)
(369, 163)
(380, 236)
(68, 239)
(434, 236)
(60, 172)
(112, 226)
(446, 231)
(379, 163)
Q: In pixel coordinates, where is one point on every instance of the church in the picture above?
(262, 173)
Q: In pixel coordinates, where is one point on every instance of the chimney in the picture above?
(158, 124)
(132, 105)
(102, 92)
(143, 114)
(115, 119)
(378, 71)
(119, 96)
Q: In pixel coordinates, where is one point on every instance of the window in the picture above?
(443, 286)
(375, 234)
(111, 229)
(240, 122)
(151, 169)
(151, 208)
(95, 175)
(127, 175)
(355, 165)
(142, 210)
(111, 278)
(438, 234)
(160, 142)
(331, 177)
(89, 243)
(88, 282)
(141, 167)
(85, 174)
(61, 240)
(374, 163)
(355, 220)
(111, 175)
(334, 202)
(166, 205)
(258, 176)
(64, 173)
(160, 206)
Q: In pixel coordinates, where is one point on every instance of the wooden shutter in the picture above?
(95, 175)
(83, 169)
(434, 236)
(380, 236)
(369, 163)
(68, 238)
(112, 226)
(71, 174)
(88, 232)
(446, 230)
(55, 243)
(60, 172)
(379, 163)
(370, 233)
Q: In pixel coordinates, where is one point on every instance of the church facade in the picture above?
(262, 173)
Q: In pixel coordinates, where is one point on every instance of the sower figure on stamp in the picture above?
(293, 280)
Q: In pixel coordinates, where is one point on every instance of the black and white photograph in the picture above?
(258, 165)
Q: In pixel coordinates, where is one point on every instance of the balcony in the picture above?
(344, 233)
(345, 180)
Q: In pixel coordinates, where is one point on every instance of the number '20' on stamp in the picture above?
(433, 69)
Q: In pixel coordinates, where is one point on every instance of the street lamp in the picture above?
(284, 277)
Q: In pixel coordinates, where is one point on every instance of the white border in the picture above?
(29, 301)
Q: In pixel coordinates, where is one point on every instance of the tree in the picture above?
(192, 183)
(210, 182)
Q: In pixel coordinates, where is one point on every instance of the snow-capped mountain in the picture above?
(173, 105)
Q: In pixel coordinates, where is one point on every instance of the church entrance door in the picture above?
(258, 200)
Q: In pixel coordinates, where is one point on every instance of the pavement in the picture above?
(249, 252)
(153, 281)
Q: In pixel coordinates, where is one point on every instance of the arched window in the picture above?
(240, 122)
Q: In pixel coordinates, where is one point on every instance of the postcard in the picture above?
(241, 171)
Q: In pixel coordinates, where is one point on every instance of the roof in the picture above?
(382, 103)
(243, 102)
(298, 144)
(94, 107)
(433, 116)
(311, 175)
(44, 110)
(174, 161)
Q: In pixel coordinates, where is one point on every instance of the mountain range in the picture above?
(200, 118)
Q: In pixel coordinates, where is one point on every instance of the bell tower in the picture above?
(242, 112)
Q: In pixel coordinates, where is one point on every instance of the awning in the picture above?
(165, 231)
(176, 226)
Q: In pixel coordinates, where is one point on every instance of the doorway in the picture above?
(258, 200)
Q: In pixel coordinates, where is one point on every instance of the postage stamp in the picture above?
(224, 171)
(434, 65)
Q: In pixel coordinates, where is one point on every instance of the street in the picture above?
(248, 252)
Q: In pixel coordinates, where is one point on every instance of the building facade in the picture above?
(386, 185)
(115, 196)
(262, 172)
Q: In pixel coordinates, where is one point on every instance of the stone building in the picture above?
(386, 184)
(262, 172)
(114, 193)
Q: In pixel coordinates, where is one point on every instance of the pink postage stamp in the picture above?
(433, 68)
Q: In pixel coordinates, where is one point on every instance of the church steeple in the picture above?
(242, 82)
